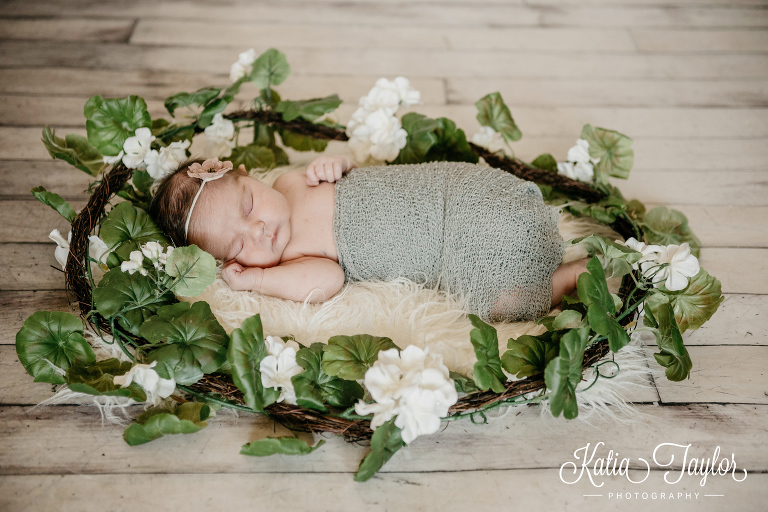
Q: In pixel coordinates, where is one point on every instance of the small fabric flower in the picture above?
(279, 366)
(220, 137)
(580, 166)
(209, 170)
(649, 253)
(579, 153)
(243, 65)
(111, 160)
(62, 250)
(413, 385)
(401, 86)
(155, 386)
(134, 263)
(163, 162)
(98, 250)
(137, 147)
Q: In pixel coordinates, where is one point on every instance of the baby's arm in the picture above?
(294, 279)
(328, 168)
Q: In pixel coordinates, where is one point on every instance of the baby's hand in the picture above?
(240, 278)
(328, 168)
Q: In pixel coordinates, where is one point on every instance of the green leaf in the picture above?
(616, 259)
(421, 137)
(245, 352)
(285, 445)
(302, 142)
(52, 341)
(593, 291)
(665, 226)
(111, 121)
(696, 304)
(217, 106)
(462, 383)
(252, 156)
(545, 161)
(182, 99)
(98, 379)
(127, 228)
(132, 296)
(673, 356)
(386, 440)
(563, 373)
(568, 319)
(349, 357)
(195, 268)
(194, 344)
(73, 149)
(613, 149)
(56, 202)
(271, 68)
(487, 369)
(491, 111)
(188, 418)
(529, 355)
(308, 109)
(451, 144)
(314, 387)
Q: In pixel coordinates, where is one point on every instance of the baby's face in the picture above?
(238, 218)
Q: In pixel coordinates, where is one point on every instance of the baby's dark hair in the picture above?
(170, 204)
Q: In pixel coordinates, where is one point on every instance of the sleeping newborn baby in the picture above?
(470, 229)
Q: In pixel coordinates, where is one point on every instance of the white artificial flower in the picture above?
(219, 137)
(153, 251)
(681, 265)
(164, 256)
(412, 385)
(136, 262)
(489, 138)
(379, 97)
(167, 160)
(380, 136)
(243, 65)
(111, 160)
(583, 171)
(62, 250)
(137, 147)
(649, 253)
(97, 249)
(406, 94)
(279, 366)
(566, 169)
(155, 386)
(579, 154)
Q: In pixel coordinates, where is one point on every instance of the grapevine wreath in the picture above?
(176, 357)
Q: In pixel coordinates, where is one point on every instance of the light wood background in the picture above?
(687, 79)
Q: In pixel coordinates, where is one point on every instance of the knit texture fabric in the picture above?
(473, 230)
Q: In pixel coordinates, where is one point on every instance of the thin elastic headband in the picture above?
(210, 170)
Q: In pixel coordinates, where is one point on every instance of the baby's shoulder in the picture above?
(289, 181)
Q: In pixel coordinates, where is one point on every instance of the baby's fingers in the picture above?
(312, 178)
(338, 170)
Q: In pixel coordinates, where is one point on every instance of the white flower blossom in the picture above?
(579, 153)
(681, 265)
(279, 366)
(137, 147)
(219, 137)
(167, 160)
(489, 139)
(580, 166)
(62, 250)
(243, 65)
(400, 86)
(111, 160)
(155, 386)
(98, 250)
(412, 385)
(380, 135)
(136, 262)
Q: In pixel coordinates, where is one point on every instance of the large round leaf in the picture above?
(271, 68)
(244, 354)
(614, 150)
(563, 373)
(349, 357)
(493, 112)
(49, 343)
(110, 121)
(665, 226)
(194, 268)
(128, 227)
(193, 341)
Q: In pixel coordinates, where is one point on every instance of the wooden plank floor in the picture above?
(687, 79)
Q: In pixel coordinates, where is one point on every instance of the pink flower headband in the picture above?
(210, 170)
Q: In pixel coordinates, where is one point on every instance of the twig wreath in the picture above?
(361, 387)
